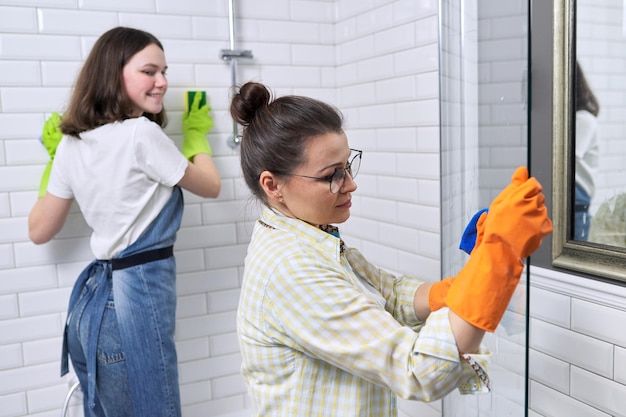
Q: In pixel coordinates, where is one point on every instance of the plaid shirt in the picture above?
(323, 332)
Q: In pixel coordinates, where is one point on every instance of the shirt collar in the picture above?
(324, 234)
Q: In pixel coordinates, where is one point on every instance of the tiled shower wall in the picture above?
(376, 60)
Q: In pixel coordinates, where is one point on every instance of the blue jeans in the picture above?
(120, 329)
(582, 218)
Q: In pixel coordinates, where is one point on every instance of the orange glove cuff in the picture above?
(438, 292)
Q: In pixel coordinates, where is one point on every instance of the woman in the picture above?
(321, 330)
(587, 152)
(125, 174)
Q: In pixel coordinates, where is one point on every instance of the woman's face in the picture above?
(144, 80)
(310, 199)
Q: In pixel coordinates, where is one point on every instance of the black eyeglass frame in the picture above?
(338, 171)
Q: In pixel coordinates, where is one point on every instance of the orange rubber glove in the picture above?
(513, 229)
(439, 290)
(518, 215)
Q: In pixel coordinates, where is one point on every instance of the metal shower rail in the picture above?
(232, 55)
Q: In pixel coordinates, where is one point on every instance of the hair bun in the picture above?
(250, 98)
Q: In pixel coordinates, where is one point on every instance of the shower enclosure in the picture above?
(484, 124)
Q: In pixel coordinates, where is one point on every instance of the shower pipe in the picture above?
(232, 55)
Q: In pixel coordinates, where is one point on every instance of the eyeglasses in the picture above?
(337, 178)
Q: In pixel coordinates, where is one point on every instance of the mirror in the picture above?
(599, 123)
(589, 127)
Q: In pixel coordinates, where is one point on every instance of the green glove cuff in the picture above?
(43, 184)
(195, 143)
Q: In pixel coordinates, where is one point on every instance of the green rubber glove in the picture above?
(196, 125)
(50, 138)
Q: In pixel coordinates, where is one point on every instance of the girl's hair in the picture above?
(585, 99)
(99, 96)
(276, 132)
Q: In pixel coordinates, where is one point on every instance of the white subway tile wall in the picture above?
(577, 348)
(378, 62)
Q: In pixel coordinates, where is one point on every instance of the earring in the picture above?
(280, 199)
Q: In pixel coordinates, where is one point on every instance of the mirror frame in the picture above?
(585, 257)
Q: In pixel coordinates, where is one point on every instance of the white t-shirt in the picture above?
(587, 150)
(121, 175)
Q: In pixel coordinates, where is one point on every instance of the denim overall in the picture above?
(582, 219)
(119, 331)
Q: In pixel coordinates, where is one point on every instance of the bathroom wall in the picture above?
(578, 346)
(376, 60)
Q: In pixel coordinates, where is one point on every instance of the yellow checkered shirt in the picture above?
(323, 332)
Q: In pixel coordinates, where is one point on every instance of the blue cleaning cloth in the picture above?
(468, 240)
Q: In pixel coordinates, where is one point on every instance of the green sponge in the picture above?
(191, 95)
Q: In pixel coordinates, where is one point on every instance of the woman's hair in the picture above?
(276, 131)
(99, 96)
(584, 99)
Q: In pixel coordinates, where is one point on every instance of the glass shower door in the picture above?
(484, 124)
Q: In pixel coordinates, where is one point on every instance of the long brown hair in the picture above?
(585, 99)
(99, 96)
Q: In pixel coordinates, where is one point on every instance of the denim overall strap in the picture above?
(154, 244)
(162, 231)
(76, 292)
(101, 271)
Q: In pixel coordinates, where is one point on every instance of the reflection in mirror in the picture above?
(600, 125)
(591, 34)
(586, 110)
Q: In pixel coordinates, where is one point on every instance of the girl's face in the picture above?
(310, 199)
(144, 80)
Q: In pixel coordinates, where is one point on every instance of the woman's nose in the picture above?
(349, 184)
(161, 81)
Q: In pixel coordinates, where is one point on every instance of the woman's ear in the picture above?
(271, 185)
